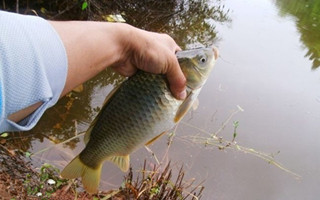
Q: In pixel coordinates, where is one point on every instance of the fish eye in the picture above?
(203, 59)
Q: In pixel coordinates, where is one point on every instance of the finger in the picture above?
(177, 49)
(177, 80)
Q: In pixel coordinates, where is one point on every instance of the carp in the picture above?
(135, 114)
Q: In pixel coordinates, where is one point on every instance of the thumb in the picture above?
(177, 81)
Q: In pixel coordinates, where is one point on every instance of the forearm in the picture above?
(90, 47)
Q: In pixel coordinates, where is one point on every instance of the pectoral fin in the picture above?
(186, 105)
(155, 138)
(122, 162)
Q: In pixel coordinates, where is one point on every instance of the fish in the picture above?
(137, 113)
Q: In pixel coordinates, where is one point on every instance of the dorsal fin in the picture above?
(93, 123)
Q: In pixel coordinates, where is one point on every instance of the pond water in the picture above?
(270, 53)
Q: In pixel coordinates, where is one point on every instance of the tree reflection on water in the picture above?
(190, 23)
(307, 15)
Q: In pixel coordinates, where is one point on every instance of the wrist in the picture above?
(127, 38)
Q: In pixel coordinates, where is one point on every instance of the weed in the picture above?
(235, 126)
(157, 184)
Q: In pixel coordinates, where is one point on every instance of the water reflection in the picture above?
(191, 23)
(307, 14)
(71, 115)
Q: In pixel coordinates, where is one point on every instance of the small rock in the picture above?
(39, 194)
(51, 182)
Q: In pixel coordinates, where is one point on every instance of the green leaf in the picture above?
(4, 135)
(84, 5)
(236, 124)
(28, 154)
(43, 10)
(59, 183)
(44, 177)
(46, 165)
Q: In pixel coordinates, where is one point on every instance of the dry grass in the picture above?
(157, 184)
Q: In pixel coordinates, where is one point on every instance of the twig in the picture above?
(172, 134)
(17, 6)
(65, 10)
(153, 154)
(75, 126)
(68, 140)
(224, 124)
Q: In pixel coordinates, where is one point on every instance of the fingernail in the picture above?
(182, 95)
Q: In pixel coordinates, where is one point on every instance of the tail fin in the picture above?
(90, 176)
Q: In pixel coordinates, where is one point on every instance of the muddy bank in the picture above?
(20, 180)
(13, 172)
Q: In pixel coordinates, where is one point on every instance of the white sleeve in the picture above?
(33, 68)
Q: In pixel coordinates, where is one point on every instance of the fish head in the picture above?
(196, 64)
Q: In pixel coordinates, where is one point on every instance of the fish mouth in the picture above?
(215, 52)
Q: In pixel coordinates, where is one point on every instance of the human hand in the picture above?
(154, 53)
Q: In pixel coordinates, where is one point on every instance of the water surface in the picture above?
(268, 66)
